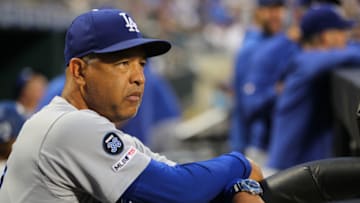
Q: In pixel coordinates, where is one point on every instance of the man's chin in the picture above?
(121, 120)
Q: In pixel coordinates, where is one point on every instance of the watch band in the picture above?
(247, 185)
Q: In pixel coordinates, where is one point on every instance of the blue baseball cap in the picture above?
(11, 121)
(335, 2)
(322, 17)
(271, 2)
(303, 2)
(106, 31)
(309, 2)
(21, 80)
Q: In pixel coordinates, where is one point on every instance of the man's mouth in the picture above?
(134, 97)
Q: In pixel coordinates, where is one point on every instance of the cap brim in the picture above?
(152, 47)
(347, 24)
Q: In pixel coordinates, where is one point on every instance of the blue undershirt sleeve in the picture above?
(195, 182)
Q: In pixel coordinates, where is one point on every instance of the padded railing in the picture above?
(315, 182)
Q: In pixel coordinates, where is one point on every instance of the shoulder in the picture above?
(76, 129)
(273, 45)
(83, 132)
(252, 39)
(85, 129)
(281, 41)
(82, 121)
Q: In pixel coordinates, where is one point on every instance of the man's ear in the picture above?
(77, 69)
(325, 38)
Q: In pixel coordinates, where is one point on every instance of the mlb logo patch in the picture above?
(125, 159)
(112, 143)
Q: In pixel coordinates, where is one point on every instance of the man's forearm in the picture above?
(191, 182)
(244, 197)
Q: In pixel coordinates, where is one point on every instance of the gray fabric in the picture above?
(59, 157)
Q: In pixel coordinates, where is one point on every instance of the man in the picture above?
(28, 90)
(265, 76)
(268, 19)
(302, 128)
(71, 151)
(157, 93)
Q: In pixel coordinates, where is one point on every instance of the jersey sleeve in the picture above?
(195, 182)
(156, 156)
(84, 153)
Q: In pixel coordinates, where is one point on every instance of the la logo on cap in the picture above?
(94, 32)
(130, 24)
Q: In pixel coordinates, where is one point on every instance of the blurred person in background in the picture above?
(352, 10)
(222, 20)
(29, 88)
(268, 18)
(265, 79)
(302, 120)
(54, 88)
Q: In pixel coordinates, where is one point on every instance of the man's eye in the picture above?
(122, 63)
(143, 63)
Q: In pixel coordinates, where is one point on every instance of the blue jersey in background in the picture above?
(302, 129)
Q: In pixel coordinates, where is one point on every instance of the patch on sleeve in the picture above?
(124, 159)
(112, 144)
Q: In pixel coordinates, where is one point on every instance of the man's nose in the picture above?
(137, 74)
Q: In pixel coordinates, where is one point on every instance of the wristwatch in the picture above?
(247, 185)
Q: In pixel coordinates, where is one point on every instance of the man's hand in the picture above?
(244, 197)
(256, 173)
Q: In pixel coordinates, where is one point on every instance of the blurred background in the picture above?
(206, 36)
(32, 34)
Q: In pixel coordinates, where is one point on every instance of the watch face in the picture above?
(251, 186)
(251, 183)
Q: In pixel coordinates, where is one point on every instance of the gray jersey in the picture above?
(68, 155)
